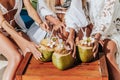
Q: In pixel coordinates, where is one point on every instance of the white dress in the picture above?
(74, 16)
(105, 16)
(35, 33)
(18, 19)
(72, 20)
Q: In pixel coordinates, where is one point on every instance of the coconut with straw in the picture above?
(85, 47)
(62, 59)
(46, 47)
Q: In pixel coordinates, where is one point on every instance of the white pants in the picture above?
(36, 34)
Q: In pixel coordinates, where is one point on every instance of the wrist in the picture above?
(97, 36)
(40, 23)
(72, 33)
(57, 22)
(96, 39)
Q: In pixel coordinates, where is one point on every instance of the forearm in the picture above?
(52, 19)
(32, 12)
(10, 30)
(72, 33)
(97, 36)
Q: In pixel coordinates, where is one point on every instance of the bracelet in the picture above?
(40, 23)
(2, 22)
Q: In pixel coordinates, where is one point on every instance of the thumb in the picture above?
(26, 51)
(74, 52)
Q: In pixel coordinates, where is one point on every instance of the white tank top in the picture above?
(17, 18)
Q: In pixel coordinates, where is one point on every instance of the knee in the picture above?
(110, 50)
(15, 59)
(110, 56)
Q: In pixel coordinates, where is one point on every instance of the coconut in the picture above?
(46, 53)
(45, 50)
(85, 53)
(62, 59)
(85, 47)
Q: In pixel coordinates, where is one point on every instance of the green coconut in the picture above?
(45, 50)
(62, 59)
(85, 53)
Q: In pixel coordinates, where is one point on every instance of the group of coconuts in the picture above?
(55, 51)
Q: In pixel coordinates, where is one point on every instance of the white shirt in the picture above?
(105, 16)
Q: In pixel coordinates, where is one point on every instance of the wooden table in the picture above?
(30, 69)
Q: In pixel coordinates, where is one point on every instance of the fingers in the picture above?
(34, 49)
(37, 54)
(95, 53)
(74, 52)
(95, 49)
(34, 53)
(47, 27)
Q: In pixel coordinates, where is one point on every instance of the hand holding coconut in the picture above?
(46, 47)
(96, 44)
(70, 43)
(85, 48)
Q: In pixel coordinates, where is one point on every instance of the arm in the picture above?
(34, 15)
(103, 21)
(32, 12)
(25, 45)
(48, 15)
(44, 10)
(75, 19)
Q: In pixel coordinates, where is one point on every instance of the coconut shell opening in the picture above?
(85, 53)
(46, 53)
(63, 60)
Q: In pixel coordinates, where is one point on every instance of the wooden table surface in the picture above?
(30, 69)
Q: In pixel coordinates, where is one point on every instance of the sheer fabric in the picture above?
(105, 16)
(35, 33)
(74, 16)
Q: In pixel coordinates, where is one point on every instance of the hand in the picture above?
(96, 44)
(70, 45)
(30, 47)
(59, 25)
(95, 48)
(72, 50)
(45, 26)
(59, 29)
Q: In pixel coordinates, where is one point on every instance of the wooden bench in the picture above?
(31, 69)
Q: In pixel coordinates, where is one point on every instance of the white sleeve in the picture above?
(103, 21)
(17, 17)
(43, 9)
(75, 17)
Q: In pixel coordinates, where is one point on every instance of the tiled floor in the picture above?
(3, 64)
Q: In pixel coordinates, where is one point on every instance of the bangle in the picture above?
(40, 23)
(2, 22)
